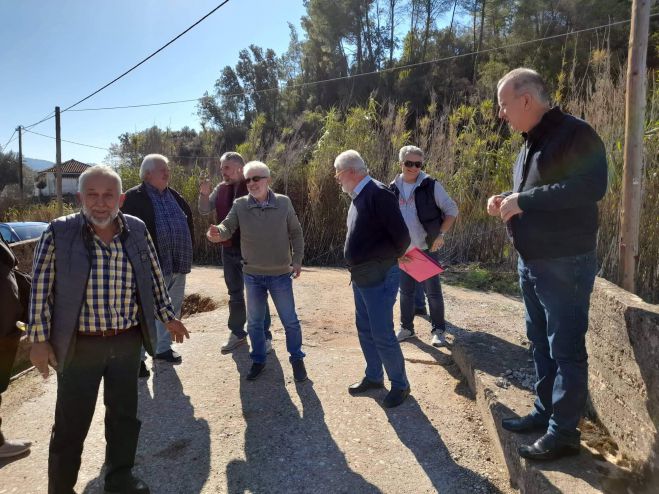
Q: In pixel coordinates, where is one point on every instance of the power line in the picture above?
(11, 138)
(363, 74)
(64, 140)
(149, 57)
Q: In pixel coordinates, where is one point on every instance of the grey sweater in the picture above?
(270, 234)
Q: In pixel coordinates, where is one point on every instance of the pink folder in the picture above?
(422, 266)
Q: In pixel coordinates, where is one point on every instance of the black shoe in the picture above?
(363, 386)
(395, 397)
(255, 371)
(132, 485)
(548, 447)
(420, 311)
(527, 423)
(169, 356)
(144, 372)
(299, 371)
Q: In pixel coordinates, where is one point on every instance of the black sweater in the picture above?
(559, 183)
(376, 229)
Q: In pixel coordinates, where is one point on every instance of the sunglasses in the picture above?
(412, 164)
(255, 179)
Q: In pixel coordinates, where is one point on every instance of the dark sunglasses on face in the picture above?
(412, 164)
(254, 179)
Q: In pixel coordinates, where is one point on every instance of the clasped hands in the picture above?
(505, 207)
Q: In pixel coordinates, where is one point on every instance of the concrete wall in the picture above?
(623, 346)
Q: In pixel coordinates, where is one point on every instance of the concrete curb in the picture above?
(482, 359)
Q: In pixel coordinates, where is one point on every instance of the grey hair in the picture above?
(98, 170)
(149, 162)
(232, 156)
(405, 151)
(350, 159)
(258, 166)
(526, 80)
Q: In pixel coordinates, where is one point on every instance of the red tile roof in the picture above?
(70, 167)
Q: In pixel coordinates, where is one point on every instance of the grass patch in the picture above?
(477, 276)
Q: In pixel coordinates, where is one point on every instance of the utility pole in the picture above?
(630, 216)
(58, 163)
(19, 129)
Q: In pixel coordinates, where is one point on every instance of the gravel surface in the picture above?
(206, 429)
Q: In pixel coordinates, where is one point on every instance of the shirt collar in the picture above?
(359, 187)
(550, 119)
(152, 190)
(269, 203)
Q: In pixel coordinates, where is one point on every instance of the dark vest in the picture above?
(430, 215)
(72, 267)
(226, 194)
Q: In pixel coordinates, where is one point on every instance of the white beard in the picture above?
(101, 223)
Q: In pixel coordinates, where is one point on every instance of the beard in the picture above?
(101, 223)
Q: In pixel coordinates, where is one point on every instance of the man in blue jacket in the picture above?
(551, 214)
(377, 236)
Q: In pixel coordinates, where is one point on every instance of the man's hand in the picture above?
(213, 234)
(404, 259)
(437, 244)
(494, 205)
(177, 330)
(509, 207)
(41, 354)
(297, 270)
(205, 187)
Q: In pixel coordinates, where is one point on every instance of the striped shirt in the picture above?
(111, 295)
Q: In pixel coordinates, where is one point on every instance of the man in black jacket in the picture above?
(551, 214)
(13, 308)
(168, 219)
(377, 236)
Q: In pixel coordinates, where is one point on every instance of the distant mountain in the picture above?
(38, 165)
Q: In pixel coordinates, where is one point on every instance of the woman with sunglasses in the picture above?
(429, 213)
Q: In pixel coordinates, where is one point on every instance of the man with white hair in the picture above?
(272, 248)
(96, 287)
(551, 215)
(376, 238)
(168, 219)
(429, 213)
(221, 200)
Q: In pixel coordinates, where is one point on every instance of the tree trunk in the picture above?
(480, 38)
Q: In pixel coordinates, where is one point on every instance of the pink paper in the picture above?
(421, 267)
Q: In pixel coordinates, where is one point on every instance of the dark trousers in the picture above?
(233, 277)
(8, 347)
(116, 360)
(433, 290)
(556, 300)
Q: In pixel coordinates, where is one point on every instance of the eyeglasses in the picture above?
(255, 179)
(412, 164)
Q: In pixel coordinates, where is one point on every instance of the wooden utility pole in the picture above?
(634, 126)
(58, 163)
(19, 129)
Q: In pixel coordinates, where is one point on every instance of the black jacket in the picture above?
(138, 203)
(560, 174)
(13, 306)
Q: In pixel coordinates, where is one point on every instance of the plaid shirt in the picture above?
(111, 295)
(172, 231)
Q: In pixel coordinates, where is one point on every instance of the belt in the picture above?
(108, 332)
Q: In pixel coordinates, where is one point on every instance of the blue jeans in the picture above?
(281, 291)
(556, 296)
(175, 284)
(232, 266)
(374, 317)
(433, 290)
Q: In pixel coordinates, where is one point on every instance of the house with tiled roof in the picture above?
(71, 171)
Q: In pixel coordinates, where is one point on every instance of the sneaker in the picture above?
(144, 372)
(299, 371)
(404, 334)
(14, 448)
(169, 356)
(268, 346)
(438, 338)
(233, 342)
(255, 371)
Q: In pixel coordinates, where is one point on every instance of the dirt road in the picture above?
(206, 429)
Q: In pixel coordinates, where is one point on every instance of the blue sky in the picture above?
(56, 52)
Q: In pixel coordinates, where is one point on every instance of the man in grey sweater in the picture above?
(272, 248)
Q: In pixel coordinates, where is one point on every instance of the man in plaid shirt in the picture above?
(96, 286)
